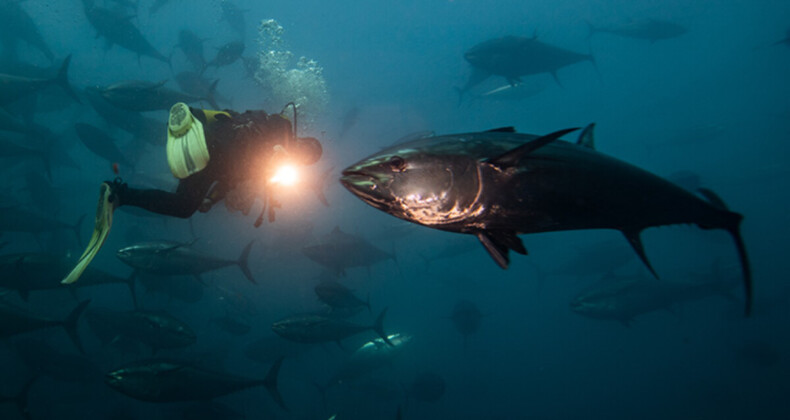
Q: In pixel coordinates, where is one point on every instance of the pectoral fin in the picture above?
(636, 244)
(498, 245)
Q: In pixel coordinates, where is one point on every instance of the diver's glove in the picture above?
(110, 194)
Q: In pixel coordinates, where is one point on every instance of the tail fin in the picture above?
(379, 327)
(734, 228)
(270, 382)
(62, 80)
(243, 262)
(70, 324)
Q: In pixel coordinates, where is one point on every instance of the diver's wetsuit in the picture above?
(236, 145)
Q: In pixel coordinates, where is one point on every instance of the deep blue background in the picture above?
(713, 101)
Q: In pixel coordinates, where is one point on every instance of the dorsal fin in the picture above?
(587, 137)
(512, 157)
(509, 129)
(713, 198)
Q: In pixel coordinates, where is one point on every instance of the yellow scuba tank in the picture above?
(187, 152)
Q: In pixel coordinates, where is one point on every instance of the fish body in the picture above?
(498, 184)
(648, 29)
(27, 272)
(118, 29)
(14, 87)
(15, 219)
(234, 17)
(689, 180)
(316, 328)
(192, 47)
(101, 144)
(15, 321)
(164, 381)
(18, 25)
(515, 56)
(371, 356)
(194, 84)
(140, 96)
(172, 258)
(338, 296)
(624, 298)
(10, 149)
(339, 251)
(227, 54)
(144, 128)
(158, 330)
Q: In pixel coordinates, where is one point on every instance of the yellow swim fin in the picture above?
(101, 230)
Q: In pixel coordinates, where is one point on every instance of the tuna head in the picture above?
(584, 305)
(130, 256)
(134, 380)
(427, 186)
(600, 303)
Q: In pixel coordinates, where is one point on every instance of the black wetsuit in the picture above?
(236, 145)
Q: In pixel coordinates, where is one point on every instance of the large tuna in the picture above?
(497, 184)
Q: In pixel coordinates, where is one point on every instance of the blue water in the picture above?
(713, 101)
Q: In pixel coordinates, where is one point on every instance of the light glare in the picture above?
(286, 175)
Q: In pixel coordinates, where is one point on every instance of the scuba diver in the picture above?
(215, 155)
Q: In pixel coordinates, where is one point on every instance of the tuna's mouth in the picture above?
(365, 186)
(112, 378)
(358, 182)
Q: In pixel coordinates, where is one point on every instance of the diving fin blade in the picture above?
(636, 243)
(101, 230)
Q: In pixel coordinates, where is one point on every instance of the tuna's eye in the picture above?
(397, 164)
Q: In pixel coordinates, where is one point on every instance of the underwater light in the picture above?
(286, 175)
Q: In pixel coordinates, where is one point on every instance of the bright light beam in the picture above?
(286, 175)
